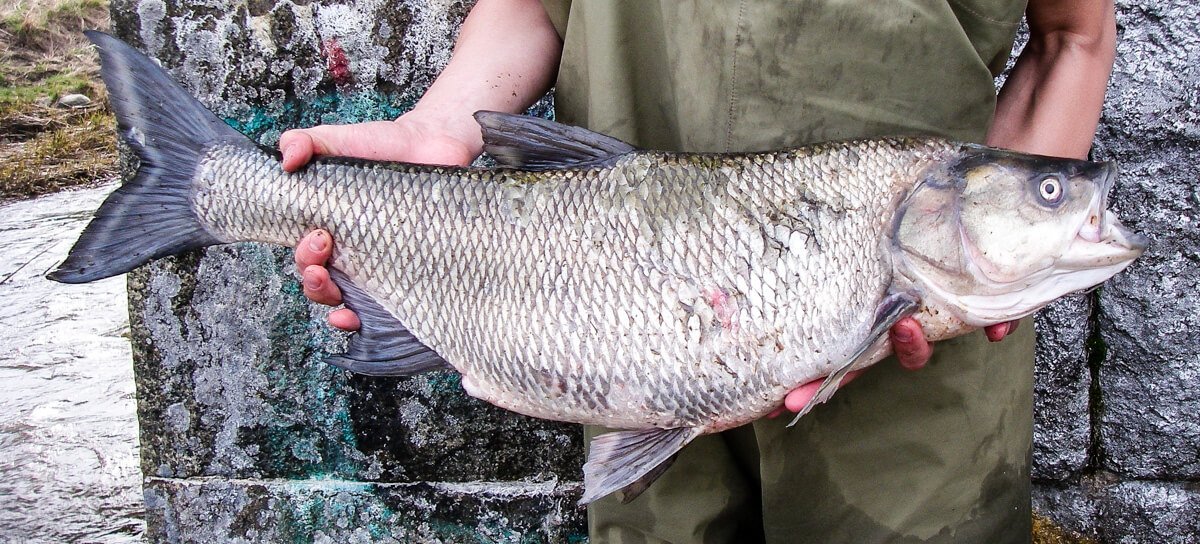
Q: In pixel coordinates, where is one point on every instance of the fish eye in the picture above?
(1050, 189)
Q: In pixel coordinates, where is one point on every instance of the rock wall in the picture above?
(1117, 454)
(247, 436)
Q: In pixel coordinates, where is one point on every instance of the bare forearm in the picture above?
(1051, 102)
(506, 57)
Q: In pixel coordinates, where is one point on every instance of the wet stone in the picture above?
(217, 510)
(1148, 427)
(1070, 506)
(1140, 511)
(1062, 383)
(1107, 508)
(238, 389)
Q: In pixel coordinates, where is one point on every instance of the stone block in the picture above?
(1153, 90)
(328, 511)
(1142, 511)
(1148, 317)
(1106, 508)
(1062, 383)
(1069, 506)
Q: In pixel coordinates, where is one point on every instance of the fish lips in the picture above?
(1115, 245)
(1103, 241)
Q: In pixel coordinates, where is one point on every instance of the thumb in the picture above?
(360, 140)
(297, 147)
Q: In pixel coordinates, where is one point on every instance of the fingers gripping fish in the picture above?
(667, 295)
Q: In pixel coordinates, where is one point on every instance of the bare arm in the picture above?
(505, 58)
(1051, 102)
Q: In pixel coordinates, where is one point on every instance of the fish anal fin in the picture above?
(629, 461)
(533, 143)
(383, 346)
(894, 307)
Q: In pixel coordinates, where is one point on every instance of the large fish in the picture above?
(665, 294)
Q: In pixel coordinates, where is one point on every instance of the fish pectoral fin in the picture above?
(891, 309)
(629, 461)
(533, 143)
(633, 490)
(383, 346)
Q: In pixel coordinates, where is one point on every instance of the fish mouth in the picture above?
(1103, 241)
(1111, 244)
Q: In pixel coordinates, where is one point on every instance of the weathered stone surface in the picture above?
(1108, 509)
(224, 510)
(1148, 426)
(1069, 505)
(1148, 316)
(268, 66)
(1062, 387)
(239, 416)
(1138, 511)
(231, 383)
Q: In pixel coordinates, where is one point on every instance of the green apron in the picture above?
(938, 455)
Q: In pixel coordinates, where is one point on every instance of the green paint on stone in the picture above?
(264, 124)
(445, 383)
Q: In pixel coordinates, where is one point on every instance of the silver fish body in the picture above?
(665, 294)
(663, 290)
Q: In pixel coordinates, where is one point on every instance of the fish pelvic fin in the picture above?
(891, 309)
(629, 461)
(150, 215)
(382, 346)
(533, 143)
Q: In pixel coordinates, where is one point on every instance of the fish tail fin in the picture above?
(150, 215)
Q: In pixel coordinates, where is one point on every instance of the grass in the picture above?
(66, 149)
(44, 56)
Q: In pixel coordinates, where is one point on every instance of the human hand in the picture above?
(411, 138)
(912, 351)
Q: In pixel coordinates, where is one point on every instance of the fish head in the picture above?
(995, 235)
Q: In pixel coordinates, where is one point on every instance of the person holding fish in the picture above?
(940, 455)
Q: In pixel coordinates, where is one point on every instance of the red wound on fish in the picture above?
(723, 305)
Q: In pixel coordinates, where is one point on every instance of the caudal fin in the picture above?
(149, 216)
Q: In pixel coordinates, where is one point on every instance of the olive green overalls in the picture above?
(937, 455)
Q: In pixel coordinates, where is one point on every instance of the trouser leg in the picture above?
(708, 495)
(937, 455)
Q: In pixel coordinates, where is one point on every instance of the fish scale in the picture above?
(511, 270)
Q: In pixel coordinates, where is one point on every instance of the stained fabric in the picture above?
(939, 455)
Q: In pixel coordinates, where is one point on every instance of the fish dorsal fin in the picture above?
(382, 346)
(629, 461)
(533, 143)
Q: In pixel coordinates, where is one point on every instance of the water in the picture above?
(68, 427)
